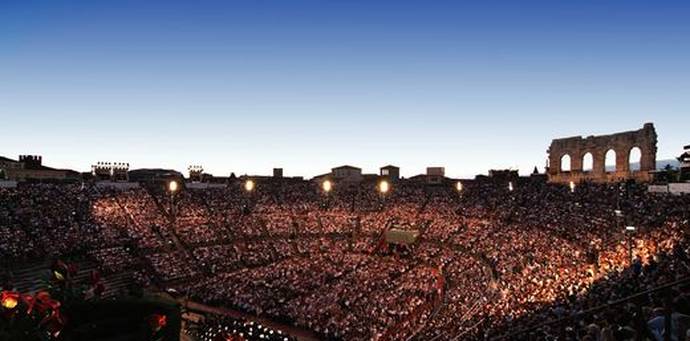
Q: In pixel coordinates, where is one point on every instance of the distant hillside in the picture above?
(660, 164)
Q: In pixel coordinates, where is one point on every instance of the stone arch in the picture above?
(587, 162)
(595, 148)
(610, 161)
(566, 163)
(635, 159)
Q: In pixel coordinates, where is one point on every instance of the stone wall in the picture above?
(622, 143)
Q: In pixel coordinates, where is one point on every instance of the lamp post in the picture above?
(249, 186)
(630, 231)
(173, 187)
(384, 187)
(327, 187)
(619, 215)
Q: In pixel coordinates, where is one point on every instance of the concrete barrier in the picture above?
(118, 185)
(203, 185)
(679, 188)
(8, 184)
(657, 188)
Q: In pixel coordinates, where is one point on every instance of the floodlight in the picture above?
(249, 185)
(384, 186)
(327, 186)
(173, 186)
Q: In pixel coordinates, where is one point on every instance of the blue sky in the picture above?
(245, 86)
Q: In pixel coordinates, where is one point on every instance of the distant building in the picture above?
(9, 165)
(435, 175)
(322, 177)
(276, 178)
(196, 173)
(154, 175)
(435, 171)
(347, 173)
(538, 177)
(684, 163)
(110, 171)
(391, 172)
(504, 175)
(684, 158)
(30, 167)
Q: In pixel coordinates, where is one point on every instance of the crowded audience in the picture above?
(489, 262)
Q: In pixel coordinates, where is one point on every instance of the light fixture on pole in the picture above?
(327, 186)
(631, 232)
(384, 187)
(249, 185)
(173, 186)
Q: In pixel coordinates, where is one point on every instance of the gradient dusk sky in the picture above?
(245, 86)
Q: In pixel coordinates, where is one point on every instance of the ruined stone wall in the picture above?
(622, 143)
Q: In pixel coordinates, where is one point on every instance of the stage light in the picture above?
(458, 186)
(572, 187)
(327, 186)
(249, 185)
(173, 186)
(384, 186)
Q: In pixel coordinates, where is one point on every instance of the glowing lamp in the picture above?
(458, 186)
(510, 186)
(249, 185)
(572, 186)
(157, 322)
(173, 186)
(327, 186)
(630, 228)
(384, 187)
(9, 300)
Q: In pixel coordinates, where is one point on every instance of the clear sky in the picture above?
(245, 86)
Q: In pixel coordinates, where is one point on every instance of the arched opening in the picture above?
(565, 163)
(610, 162)
(587, 162)
(635, 159)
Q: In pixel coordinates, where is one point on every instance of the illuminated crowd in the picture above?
(493, 258)
(230, 329)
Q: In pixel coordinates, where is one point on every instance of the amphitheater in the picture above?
(498, 257)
